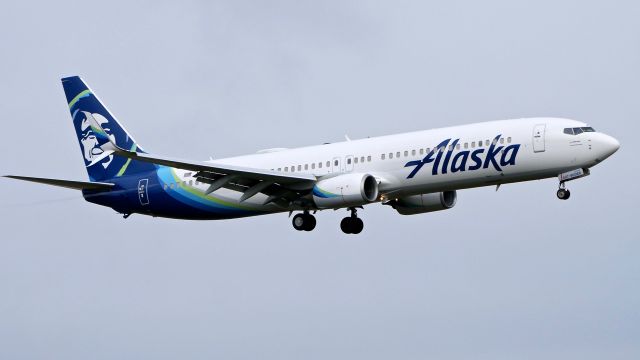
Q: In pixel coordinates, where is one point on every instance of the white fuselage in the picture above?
(539, 149)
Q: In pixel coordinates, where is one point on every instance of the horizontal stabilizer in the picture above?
(77, 185)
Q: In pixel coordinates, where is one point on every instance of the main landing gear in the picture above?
(352, 224)
(563, 193)
(349, 225)
(304, 221)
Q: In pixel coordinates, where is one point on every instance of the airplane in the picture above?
(413, 173)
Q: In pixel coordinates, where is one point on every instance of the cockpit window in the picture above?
(578, 130)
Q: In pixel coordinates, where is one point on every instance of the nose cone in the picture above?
(607, 145)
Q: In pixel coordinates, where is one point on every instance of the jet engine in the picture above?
(423, 203)
(345, 190)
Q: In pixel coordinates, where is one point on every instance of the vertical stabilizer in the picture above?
(86, 109)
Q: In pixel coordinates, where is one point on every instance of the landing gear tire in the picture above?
(304, 222)
(310, 222)
(352, 224)
(563, 194)
(345, 225)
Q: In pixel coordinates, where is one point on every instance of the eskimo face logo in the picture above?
(89, 138)
(496, 156)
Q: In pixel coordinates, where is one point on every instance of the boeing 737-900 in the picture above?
(414, 173)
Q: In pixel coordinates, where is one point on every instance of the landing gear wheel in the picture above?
(357, 225)
(310, 222)
(345, 225)
(563, 194)
(298, 222)
(304, 222)
(352, 224)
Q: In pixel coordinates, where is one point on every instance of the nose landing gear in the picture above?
(563, 193)
(352, 224)
(304, 222)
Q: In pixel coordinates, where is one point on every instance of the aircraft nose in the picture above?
(608, 145)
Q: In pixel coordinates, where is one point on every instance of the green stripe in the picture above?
(126, 164)
(81, 95)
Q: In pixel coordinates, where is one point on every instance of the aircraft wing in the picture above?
(220, 169)
(280, 188)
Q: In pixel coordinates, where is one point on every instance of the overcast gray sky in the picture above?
(509, 274)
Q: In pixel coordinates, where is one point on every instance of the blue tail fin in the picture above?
(83, 105)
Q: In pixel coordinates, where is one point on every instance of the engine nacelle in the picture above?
(345, 190)
(423, 203)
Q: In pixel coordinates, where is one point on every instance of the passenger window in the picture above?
(382, 157)
(501, 140)
(313, 166)
(335, 163)
(166, 186)
(390, 155)
(486, 143)
(286, 168)
(473, 144)
(422, 151)
(398, 154)
(458, 147)
(466, 145)
(480, 143)
(406, 153)
(368, 158)
(355, 160)
(190, 182)
(450, 147)
(348, 161)
(293, 169)
(328, 163)
(299, 167)
(413, 153)
(509, 140)
(427, 150)
(495, 141)
(172, 185)
(320, 165)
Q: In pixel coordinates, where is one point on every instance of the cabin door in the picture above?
(538, 138)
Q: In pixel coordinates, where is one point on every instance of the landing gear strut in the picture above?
(352, 224)
(304, 222)
(563, 193)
